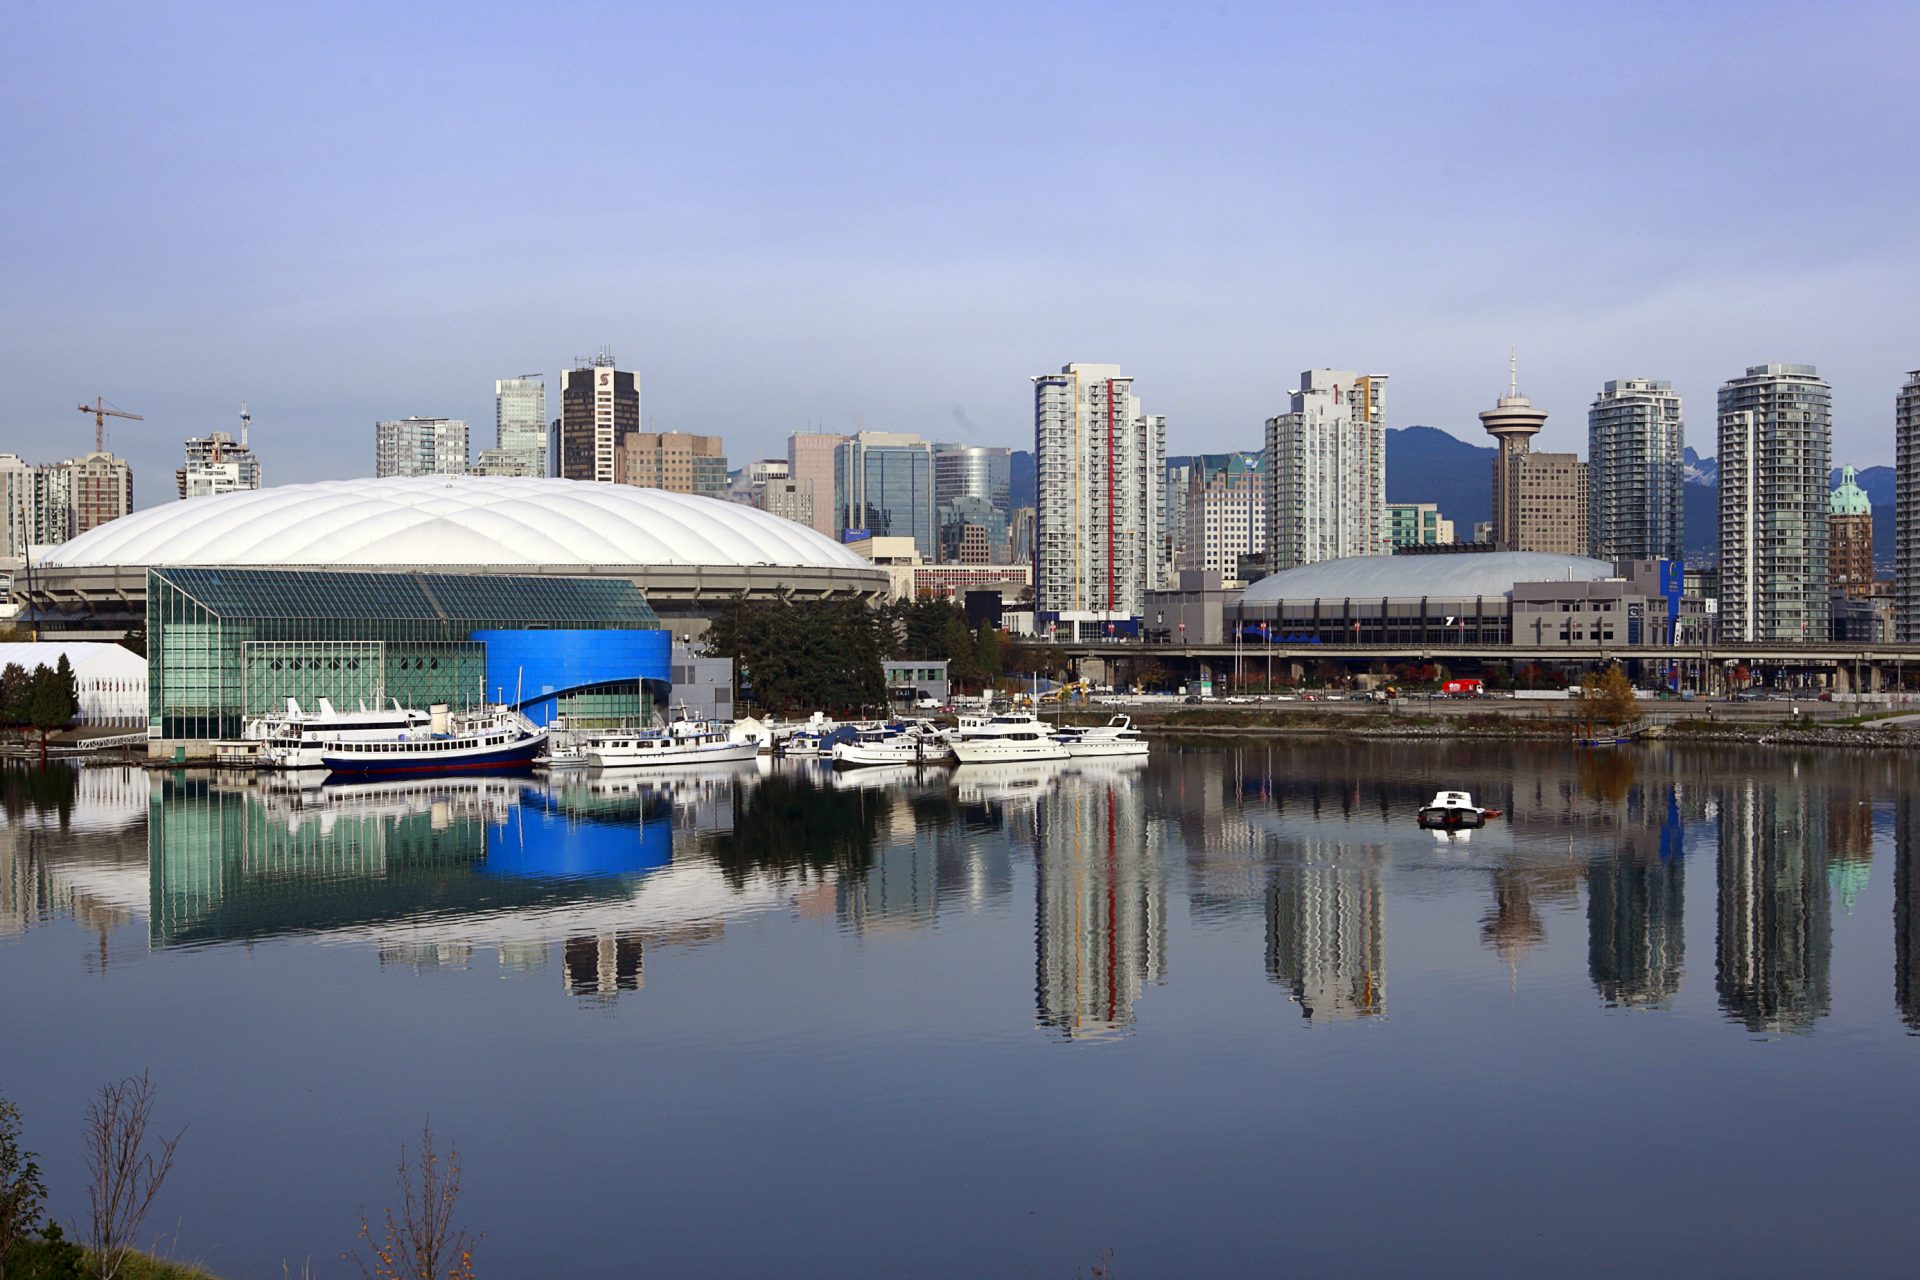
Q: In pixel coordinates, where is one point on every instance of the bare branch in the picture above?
(422, 1243)
(124, 1173)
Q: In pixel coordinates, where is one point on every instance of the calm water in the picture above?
(1228, 1013)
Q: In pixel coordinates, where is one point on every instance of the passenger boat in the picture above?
(492, 738)
(1117, 737)
(1450, 809)
(295, 738)
(680, 743)
(881, 746)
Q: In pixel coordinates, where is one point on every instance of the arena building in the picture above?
(686, 554)
(1464, 598)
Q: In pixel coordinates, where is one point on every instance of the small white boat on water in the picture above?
(680, 743)
(1009, 737)
(1117, 737)
(1453, 809)
(877, 747)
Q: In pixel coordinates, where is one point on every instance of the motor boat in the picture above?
(881, 746)
(492, 738)
(680, 743)
(1452, 809)
(1117, 737)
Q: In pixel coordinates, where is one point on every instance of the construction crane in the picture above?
(100, 414)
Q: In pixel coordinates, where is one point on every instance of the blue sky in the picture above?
(891, 216)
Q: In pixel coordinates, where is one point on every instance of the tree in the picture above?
(135, 638)
(423, 1244)
(51, 701)
(987, 654)
(1609, 696)
(124, 1173)
(22, 1191)
(16, 691)
(1150, 674)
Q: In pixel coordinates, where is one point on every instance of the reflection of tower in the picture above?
(1776, 936)
(899, 888)
(1102, 901)
(1906, 903)
(1325, 937)
(603, 966)
(1635, 940)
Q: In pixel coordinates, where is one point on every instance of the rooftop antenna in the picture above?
(246, 420)
(1513, 372)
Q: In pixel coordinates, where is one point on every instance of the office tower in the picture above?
(1326, 934)
(810, 463)
(1098, 461)
(1776, 432)
(982, 476)
(217, 463)
(1906, 510)
(1539, 499)
(674, 461)
(520, 444)
(748, 485)
(420, 447)
(1775, 937)
(1174, 476)
(1418, 524)
(972, 531)
(1225, 515)
(1636, 471)
(20, 507)
(1850, 539)
(789, 499)
(1327, 471)
(883, 484)
(599, 407)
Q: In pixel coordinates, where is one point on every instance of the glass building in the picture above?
(226, 644)
(883, 483)
(1776, 455)
(1636, 471)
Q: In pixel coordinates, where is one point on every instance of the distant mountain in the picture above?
(1700, 470)
(1425, 464)
(1702, 512)
(1877, 481)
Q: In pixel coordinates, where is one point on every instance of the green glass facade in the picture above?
(223, 644)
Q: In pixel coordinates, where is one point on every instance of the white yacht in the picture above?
(683, 742)
(295, 738)
(1009, 737)
(492, 738)
(1117, 737)
(878, 747)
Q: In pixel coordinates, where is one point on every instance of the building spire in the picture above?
(1513, 371)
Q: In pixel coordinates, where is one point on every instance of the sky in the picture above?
(889, 216)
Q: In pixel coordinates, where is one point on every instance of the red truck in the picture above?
(1464, 688)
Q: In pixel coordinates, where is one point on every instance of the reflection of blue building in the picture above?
(546, 838)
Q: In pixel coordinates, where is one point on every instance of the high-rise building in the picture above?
(972, 531)
(1850, 539)
(674, 461)
(1906, 510)
(217, 463)
(599, 407)
(100, 488)
(420, 447)
(883, 484)
(1327, 471)
(1174, 476)
(971, 486)
(1539, 499)
(789, 499)
(520, 445)
(1098, 463)
(1636, 471)
(1418, 524)
(810, 462)
(748, 485)
(1776, 443)
(1225, 517)
(29, 518)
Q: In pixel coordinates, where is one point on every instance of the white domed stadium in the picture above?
(686, 553)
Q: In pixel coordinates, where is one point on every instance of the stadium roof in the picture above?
(1448, 577)
(442, 521)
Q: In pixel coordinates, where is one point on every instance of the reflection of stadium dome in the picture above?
(678, 548)
(1455, 577)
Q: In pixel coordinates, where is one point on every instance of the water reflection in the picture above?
(1297, 849)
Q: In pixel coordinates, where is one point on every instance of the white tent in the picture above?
(112, 679)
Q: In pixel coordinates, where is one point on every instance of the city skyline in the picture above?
(757, 210)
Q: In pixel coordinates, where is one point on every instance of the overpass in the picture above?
(1848, 667)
